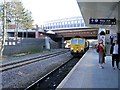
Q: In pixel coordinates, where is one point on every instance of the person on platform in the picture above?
(111, 39)
(101, 53)
(115, 52)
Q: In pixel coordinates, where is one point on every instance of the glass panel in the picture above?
(74, 42)
(80, 41)
(82, 24)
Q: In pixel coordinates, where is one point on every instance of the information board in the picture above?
(102, 21)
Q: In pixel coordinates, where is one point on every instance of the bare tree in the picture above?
(14, 11)
(4, 29)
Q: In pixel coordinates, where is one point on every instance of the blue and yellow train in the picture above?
(78, 46)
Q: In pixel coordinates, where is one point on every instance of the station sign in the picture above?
(102, 21)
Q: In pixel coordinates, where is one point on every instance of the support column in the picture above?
(37, 34)
(62, 41)
(47, 42)
(22, 34)
(26, 33)
(119, 39)
(118, 33)
(119, 23)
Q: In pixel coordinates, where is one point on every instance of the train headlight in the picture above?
(71, 48)
(81, 48)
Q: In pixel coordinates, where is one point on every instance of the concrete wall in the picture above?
(23, 45)
(26, 45)
(53, 44)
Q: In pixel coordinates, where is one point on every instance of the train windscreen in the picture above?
(80, 41)
(73, 41)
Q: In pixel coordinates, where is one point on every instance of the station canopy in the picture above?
(105, 9)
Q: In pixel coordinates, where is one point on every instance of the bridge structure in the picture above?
(68, 28)
(67, 34)
(89, 33)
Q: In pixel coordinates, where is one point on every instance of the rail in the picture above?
(5, 67)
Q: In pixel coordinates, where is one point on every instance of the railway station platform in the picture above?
(87, 74)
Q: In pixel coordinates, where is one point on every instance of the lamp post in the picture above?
(4, 29)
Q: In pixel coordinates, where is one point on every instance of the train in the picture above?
(78, 46)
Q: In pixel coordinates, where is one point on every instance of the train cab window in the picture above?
(80, 41)
(74, 42)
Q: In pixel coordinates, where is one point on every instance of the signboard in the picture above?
(102, 21)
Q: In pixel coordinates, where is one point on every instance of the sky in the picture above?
(46, 10)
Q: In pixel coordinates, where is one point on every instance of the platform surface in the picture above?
(88, 74)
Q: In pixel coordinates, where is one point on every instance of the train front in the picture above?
(77, 46)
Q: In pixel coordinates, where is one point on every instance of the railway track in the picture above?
(12, 65)
(52, 79)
